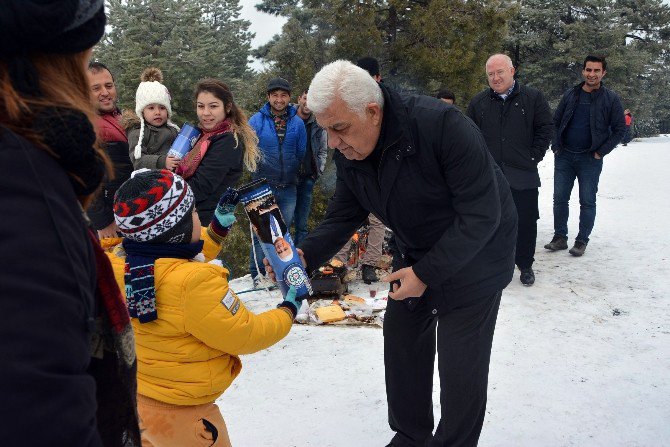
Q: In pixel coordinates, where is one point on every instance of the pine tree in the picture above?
(187, 39)
(421, 46)
(549, 41)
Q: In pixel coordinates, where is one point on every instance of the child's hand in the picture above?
(224, 215)
(290, 302)
(171, 163)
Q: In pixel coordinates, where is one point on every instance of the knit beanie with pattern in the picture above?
(150, 91)
(155, 206)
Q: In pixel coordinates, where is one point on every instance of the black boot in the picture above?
(527, 277)
(368, 273)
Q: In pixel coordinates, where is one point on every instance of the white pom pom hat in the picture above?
(150, 92)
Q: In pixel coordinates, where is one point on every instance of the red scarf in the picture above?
(115, 373)
(189, 164)
(108, 290)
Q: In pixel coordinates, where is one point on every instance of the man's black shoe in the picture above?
(369, 274)
(557, 243)
(527, 277)
(578, 249)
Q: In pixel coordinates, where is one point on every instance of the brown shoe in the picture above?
(578, 249)
(557, 243)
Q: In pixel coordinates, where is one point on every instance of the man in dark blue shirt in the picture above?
(589, 123)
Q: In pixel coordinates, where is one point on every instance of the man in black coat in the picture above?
(423, 169)
(589, 124)
(517, 125)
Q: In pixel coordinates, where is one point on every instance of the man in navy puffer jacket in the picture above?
(589, 124)
(282, 142)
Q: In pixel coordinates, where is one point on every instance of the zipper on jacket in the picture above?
(572, 111)
(381, 159)
(281, 157)
(502, 132)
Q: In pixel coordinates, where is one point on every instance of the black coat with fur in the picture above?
(156, 141)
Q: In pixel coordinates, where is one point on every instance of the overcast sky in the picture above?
(264, 25)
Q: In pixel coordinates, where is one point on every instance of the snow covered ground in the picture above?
(582, 358)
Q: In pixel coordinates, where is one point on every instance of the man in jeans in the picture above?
(312, 166)
(282, 141)
(589, 123)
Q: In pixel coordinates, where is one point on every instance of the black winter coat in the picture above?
(608, 125)
(220, 168)
(101, 211)
(439, 191)
(517, 130)
(47, 279)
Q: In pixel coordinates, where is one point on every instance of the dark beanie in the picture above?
(50, 26)
(155, 206)
(279, 84)
(370, 64)
(45, 26)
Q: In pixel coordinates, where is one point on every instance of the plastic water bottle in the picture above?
(188, 135)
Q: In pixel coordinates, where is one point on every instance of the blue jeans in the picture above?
(584, 167)
(303, 204)
(285, 197)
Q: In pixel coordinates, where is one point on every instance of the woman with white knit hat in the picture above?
(150, 131)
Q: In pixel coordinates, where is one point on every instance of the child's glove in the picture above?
(224, 215)
(290, 302)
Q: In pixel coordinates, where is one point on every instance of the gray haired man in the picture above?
(438, 189)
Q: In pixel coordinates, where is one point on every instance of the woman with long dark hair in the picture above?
(226, 144)
(67, 351)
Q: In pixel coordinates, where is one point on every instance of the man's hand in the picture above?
(110, 230)
(410, 284)
(271, 274)
(597, 156)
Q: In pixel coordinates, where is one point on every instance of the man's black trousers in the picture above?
(464, 338)
(527, 209)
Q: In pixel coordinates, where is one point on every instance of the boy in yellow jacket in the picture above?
(189, 326)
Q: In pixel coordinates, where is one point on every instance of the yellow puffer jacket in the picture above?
(189, 355)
